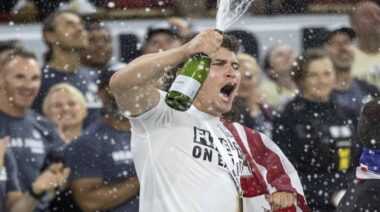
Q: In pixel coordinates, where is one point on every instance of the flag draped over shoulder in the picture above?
(369, 165)
(271, 170)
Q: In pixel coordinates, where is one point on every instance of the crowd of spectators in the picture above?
(38, 10)
(69, 145)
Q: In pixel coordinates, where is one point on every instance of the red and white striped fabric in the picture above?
(362, 173)
(271, 170)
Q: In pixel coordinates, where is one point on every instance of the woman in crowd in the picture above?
(253, 113)
(279, 87)
(315, 134)
(65, 106)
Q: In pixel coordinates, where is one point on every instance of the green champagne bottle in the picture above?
(188, 82)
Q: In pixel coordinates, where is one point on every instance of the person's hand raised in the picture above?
(207, 42)
(55, 176)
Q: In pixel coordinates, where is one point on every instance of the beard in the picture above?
(343, 66)
(65, 46)
(78, 49)
(12, 100)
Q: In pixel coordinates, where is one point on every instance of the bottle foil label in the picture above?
(185, 85)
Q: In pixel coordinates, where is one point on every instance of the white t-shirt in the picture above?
(366, 66)
(178, 166)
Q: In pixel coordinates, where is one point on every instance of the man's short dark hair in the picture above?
(162, 27)
(9, 45)
(300, 68)
(18, 52)
(342, 30)
(231, 43)
(369, 125)
(48, 25)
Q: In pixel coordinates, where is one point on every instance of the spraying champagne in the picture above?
(195, 71)
(187, 84)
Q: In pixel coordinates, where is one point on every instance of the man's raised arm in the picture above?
(133, 85)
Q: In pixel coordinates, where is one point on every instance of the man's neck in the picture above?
(315, 99)
(93, 65)
(65, 60)
(118, 123)
(208, 110)
(369, 45)
(343, 80)
(7, 108)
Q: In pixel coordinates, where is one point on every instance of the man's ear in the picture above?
(50, 37)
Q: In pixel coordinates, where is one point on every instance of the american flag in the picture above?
(271, 170)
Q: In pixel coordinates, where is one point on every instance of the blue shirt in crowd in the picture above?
(353, 99)
(103, 152)
(8, 178)
(34, 143)
(82, 80)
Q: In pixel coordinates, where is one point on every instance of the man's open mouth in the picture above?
(227, 90)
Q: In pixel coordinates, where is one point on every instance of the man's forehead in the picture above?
(67, 17)
(27, 63)
(162, 35)
(224, 54)
(280, 49)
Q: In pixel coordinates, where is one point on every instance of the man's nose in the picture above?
(231, 73)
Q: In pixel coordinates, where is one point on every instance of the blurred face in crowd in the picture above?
(249, 71)
(319, 80)
(99, 50)
(182, 25)
(339, 49)
(69, 32)
(161, 41)
(366, 19)
(220, 88)
(281, 59)
(65, 109)
(20, 81)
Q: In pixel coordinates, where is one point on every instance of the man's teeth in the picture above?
(224, 96)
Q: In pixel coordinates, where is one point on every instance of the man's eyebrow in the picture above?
(220, 60)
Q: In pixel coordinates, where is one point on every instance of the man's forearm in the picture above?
(146, 69)
(108, 196)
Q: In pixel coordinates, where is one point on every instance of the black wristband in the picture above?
(34, 195)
